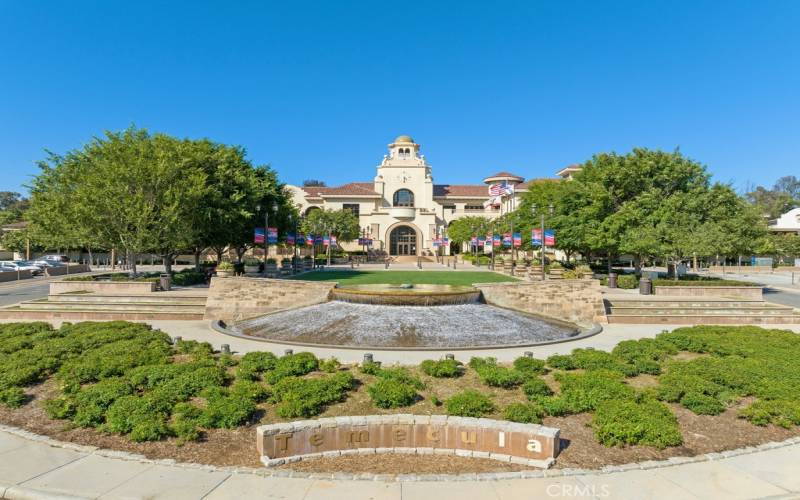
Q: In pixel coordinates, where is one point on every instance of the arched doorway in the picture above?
(403, 241)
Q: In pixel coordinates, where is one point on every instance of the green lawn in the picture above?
(399, 277)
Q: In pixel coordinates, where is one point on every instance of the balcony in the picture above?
(402, 212)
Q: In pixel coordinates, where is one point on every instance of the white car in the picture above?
(21, 265)
(43, 263)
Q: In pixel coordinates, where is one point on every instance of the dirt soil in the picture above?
(223, 447)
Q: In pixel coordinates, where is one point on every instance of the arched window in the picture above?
(403, 198)
(311, 209)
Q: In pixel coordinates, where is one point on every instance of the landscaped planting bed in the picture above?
(125, 386)
(461, 278)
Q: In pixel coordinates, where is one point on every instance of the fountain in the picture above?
(407, 294)
(405, 317)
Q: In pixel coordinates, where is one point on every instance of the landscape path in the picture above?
(32, 468)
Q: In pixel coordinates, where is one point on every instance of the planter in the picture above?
(251, 269)
(107, 287)
(225, 274)
(728, 292)
(556, 274)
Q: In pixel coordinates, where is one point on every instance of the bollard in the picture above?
(454, 263)
(368, 358)
(528, 354)
(288, 352)
(612, 280)
(449, 356)
(225, 348)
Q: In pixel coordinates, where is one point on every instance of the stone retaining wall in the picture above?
(740, 269)
(14, 275)
(64, 270)
(728, 292)
(576, 301)
(109, 287)
(236, 299)
(526, 444)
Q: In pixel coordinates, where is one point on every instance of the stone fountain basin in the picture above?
(407, 295)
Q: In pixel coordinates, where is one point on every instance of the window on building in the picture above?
(403, 198)
(449, 207)
(473, 207)
(353, 207)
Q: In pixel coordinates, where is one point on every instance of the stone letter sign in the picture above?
(526, 444)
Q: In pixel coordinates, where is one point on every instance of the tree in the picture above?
(12, 207)
(463, 229)
(128, 190)
(339, 223)
(313, 183)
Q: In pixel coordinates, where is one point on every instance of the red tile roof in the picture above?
(350, 189)
(476, 190)
(504, 174)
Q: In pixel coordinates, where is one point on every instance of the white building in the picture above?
(402, 209)
(786, 223)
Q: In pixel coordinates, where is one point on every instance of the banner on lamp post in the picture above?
(517, 240)
(272, 235)
(290, 238)
(536, 237)
(507, 239)
(550, 237)
(258, 237)
(496, 240)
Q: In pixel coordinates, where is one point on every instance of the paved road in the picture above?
(18, 291)
(779, 287)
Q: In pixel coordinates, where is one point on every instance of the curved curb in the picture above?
(219, 326)
(285, 473)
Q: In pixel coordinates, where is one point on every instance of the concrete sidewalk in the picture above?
(34, 468)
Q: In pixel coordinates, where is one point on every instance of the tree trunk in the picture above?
(167, 258)
(610, 258)
(132, 261)
(328, 254)
(197, 253)
(637, 265)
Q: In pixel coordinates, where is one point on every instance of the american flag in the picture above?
(501, 190)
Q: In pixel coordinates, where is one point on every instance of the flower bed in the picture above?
(122, 382)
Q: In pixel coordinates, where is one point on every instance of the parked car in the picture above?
(43, 263)
(21, 265)
(57, 258)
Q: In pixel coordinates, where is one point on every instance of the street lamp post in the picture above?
(266, 232)
(550, 208)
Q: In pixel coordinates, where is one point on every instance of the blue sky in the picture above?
(317, 89)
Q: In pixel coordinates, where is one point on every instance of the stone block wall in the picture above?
(14, 275)
(727, 292)
(527, 444)
(103, 287)
(237, 299)
(66, 270)
(576, 301)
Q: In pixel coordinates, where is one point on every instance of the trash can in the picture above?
(165, 281)
(645, 286)
(612, 280)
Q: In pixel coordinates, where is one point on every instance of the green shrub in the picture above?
(442, 368)
(535, 388)
(188, 277)
(702, 404)
(582, 392)
(530, 413)
(194, 347)
(469, 403)
(92, 402)
(370, 368)
(494, 375)
(331, 365)
(249, 389)
(645, 355)
(297, 397)
(13, 397)
(561, 362)
(253, 364)
(142, 418)
(292, 365)
(529, 366)
(59, 408)
(227, 410)
(779, 412)
(392, 393)
(185, 423)
(629, 422)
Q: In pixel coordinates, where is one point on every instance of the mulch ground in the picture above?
(237, 447)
